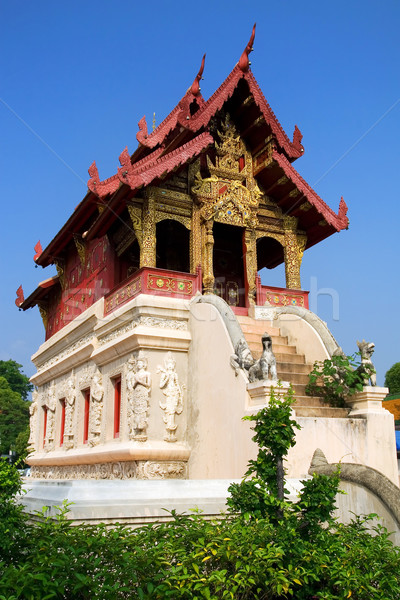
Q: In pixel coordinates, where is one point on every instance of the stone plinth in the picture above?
(368, 401)
(260, 391)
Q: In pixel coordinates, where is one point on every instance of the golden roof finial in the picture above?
(154, 121)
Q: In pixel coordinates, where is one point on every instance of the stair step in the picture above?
(326, 412)
(247, 328)
(285, 357)
(292, 367)
(256, 338)
(299, 389)
(294, 378)
(278, 348)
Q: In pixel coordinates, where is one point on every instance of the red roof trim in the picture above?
(225, 91)
(338, 221)
(101, 188)
(178, 115)
(39, 292)
(136, 178)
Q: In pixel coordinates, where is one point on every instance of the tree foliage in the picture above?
(392, 379)
(14, 416)
(18, 382)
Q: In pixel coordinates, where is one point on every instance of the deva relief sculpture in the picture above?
(96, 409)
(173, 392)
(138, 385)
(70, 396)
(33, 413)
(50, 407)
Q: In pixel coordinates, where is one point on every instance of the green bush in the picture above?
(337, 378)
(265, 548)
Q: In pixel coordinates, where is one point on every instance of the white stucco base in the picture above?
(131, 501)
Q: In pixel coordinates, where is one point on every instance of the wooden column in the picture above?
(207, 263)
(148, 246)
(195, 240)
(250, 263)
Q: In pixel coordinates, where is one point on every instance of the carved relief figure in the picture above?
(70, 396)
(138, 383)
(96, 409)
(173, 393)
(33, 418)
(51, 404)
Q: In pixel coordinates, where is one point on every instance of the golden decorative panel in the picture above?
(231, 194)
(162, 216)
(170, 284)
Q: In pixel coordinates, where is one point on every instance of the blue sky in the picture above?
(76, 78)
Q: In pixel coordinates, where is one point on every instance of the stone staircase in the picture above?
(291, 367)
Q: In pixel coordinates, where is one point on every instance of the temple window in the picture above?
(86, 409)
(173, 246)
(117, 406)
(62, 424)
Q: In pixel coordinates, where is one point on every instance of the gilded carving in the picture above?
(80, 248)
(173, 392)
(279, 237)
(289, 223)
(148, 246)
(282, 181)
(292, 261)
(162, 216)
(43, 313)
(161, 470)
(230, 195)
(207, 267)
(60, 266)
(195, 240)
(251, 264)
(138, 384)
(305, 206)
(135, 214)
(301, 246)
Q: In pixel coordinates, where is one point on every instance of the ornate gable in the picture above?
(231, 194)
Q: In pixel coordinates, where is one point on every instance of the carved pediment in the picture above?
(231, 194)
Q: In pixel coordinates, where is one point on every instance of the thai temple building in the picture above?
(157, 282)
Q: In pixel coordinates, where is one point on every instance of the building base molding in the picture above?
(148, 469)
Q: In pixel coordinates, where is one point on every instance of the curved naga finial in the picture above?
(20, 297)
(244, 63)
(195, 89)
(38, 250)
